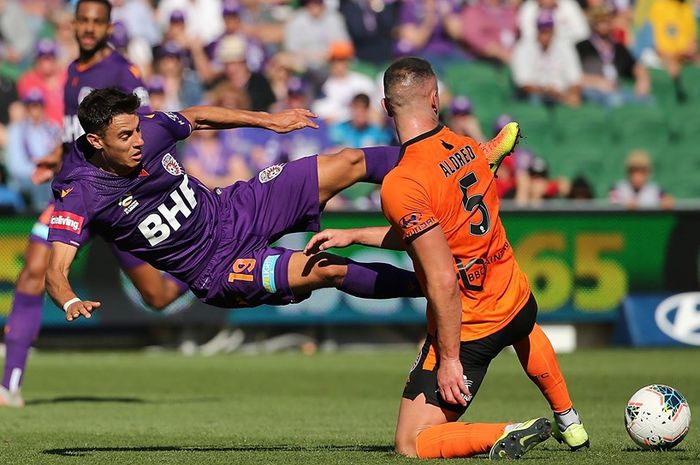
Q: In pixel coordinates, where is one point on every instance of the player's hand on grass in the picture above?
(291, 120)
(82, 307)
(328, 238)
(451, 385)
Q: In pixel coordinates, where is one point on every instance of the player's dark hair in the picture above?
(405, 74)
(360, 99)
(99, 108)
(107, 4)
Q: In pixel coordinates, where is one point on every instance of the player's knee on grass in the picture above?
(405, 444)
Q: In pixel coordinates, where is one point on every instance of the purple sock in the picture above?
(379, 161)
(379, 281)
(21, 327)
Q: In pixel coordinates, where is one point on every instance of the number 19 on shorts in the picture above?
(242, 270)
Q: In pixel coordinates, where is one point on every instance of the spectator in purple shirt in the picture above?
(430, 29)
(490, 29)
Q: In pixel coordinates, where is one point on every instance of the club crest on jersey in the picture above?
(128, 203)
(174, 117)
(171, 165)
(270, 173)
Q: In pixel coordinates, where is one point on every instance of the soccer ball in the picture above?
(657, 417)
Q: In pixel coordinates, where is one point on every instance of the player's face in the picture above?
(122, 143)
(92, 26)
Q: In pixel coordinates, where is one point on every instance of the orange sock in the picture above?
(451, 440)
(537, 357)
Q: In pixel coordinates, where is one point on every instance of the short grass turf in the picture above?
(132, 408)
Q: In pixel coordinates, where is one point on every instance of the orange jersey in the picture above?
(444, 178)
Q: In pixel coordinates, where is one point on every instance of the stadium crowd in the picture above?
(328, 56)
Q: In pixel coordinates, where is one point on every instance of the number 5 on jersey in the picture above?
(242, 269)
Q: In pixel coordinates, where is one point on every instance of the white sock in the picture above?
(567, 418)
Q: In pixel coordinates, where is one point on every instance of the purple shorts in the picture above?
(245, 271)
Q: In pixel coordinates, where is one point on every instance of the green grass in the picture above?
(117, 408)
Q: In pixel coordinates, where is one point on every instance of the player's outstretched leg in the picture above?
(157, 289)
(24, 321)
(537, 357)
(368, 280)
(343, 169)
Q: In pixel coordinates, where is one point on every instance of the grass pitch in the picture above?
(119, 408)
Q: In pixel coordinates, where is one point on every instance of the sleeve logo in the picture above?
(410, 220)
(67, 221)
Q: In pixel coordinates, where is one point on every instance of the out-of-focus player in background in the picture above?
(97, 66)
(442, 205)
(218, 241)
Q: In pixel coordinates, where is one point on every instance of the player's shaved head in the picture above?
(406, 81)
(99, 108)
(106, 3)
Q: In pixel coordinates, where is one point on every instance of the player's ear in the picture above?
(435, 101)
(94, 140)
(387, 107)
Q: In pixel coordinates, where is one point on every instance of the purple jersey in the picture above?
(158, 214)
(113, 71)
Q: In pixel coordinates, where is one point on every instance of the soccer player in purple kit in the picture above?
(218, 242)
(98, 66)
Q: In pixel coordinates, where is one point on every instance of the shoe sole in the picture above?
(516, 443)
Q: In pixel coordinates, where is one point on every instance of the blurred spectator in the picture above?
(209, 67)
(541, 186)
(27, 141)
(278, 70)
(463, 121)
(16, 32)
(49, 77)
(202, 17)
(155, 85)
(359, 131)
(581, 189)
(513, 177)
(637, 191)
(8, 96)
(231, 53)
(605, 62)
(10, 201)
(546, 69)
(342, 85)
(139, 18)
(176, 33)
(370, 24)
(137, 50)
(568, 16)
(206, 158)
(490, 29)
(181, 85)
(66, 45)
(311, 31)
(265, 21)
(430, 29)
(307, 141)
(675, 34)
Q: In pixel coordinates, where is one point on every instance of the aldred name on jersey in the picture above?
(67, 220)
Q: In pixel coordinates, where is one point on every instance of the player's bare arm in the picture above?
(432, 257)
(384, 237)
(58, 287)
(210, 117)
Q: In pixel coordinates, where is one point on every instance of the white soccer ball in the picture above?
(657, 417)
